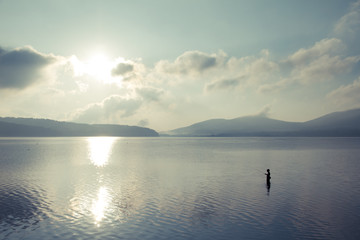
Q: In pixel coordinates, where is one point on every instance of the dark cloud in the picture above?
(22, 67)
(191, 62)
(143, 123)
(224, 84)
(121, 69)
(197, 60)
(150, 94)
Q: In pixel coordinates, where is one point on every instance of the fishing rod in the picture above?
(261, 171)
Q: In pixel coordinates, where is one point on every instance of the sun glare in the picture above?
(100, 150)
(100, 204)
(98, 66)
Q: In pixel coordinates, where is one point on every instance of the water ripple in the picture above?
(192, 189)
(22, 206)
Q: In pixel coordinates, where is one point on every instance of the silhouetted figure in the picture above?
(268, 177)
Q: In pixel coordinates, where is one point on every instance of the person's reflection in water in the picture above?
(268, 188)
(268, 177)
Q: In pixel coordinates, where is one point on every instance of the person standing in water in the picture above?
(268, 177)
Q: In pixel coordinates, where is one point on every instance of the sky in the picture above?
(168, 64)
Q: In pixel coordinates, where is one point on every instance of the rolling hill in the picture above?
(337, 124)
(26, 127)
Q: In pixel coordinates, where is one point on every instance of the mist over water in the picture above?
(179, 188)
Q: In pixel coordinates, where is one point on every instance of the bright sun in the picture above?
(97, 66)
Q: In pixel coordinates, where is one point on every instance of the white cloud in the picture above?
(242, 72)
(265, 111)
(117, 108)
(111, 109)
(256, 69)
(324, 61)
(274, 87)
(323, 68)
(346, 95)
(324, 47)
(349, 24)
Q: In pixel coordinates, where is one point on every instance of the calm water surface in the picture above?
(179, 188)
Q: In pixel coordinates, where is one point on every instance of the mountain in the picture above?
(337, 124)
(345, 123)
(244, 126)
(11, 127)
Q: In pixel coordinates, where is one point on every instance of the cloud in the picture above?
(254, 68)
(22, 67)
(321, 62)
(262, 67)
(324, 47)
(274, 87)
(346, 95)
(349, 24)
(116, 108)
(265, 111)
(217, 71)
(323, 68)
(130, 71)
(245, 71)
(122, 68)
(191, 62)
(149, 94)
(111, 109)
(143, 123)
(224, 84)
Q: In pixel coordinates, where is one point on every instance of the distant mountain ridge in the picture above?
(29, 127)
(337, 124)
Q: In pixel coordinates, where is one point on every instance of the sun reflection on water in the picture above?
(100, 149)
(93, 198)
(100, 205)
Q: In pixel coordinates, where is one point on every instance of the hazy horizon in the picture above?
(170, 64)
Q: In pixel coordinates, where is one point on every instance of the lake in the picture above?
(179, 188)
